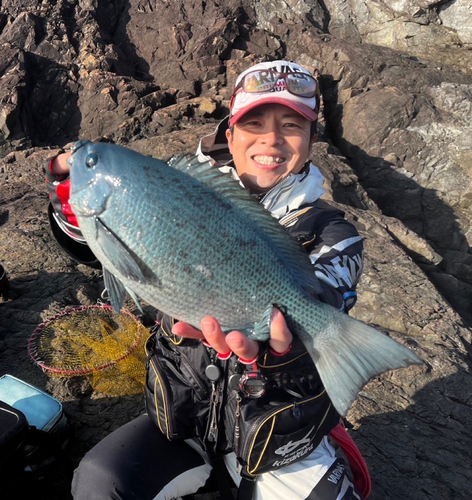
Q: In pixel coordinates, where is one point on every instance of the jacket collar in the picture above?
(294, 191)
(214, 147)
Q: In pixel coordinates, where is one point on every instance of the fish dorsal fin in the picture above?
(293, 254)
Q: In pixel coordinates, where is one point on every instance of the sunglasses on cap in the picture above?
(267, 80)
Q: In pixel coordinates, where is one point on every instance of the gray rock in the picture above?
(436, 31)
(394, 149)
(458, 17)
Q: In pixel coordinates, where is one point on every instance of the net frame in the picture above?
(32, 348)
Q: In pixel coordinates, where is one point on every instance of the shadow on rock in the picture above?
(128, 62)
(426, 214)
(421, 453)
(398, 195)
(50, 102)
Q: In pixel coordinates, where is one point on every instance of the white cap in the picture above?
(242, 102)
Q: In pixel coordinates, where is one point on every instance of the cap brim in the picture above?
(303, 110)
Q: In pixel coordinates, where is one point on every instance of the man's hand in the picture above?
(280, 336)
(59, 165)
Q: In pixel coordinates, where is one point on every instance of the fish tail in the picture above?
(351, 354)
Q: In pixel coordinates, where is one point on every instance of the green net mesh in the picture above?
(96, 342)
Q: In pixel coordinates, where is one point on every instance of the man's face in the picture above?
(269, 143)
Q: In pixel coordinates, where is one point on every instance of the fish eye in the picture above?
(91, 160)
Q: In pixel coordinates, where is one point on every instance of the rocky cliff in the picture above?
(395, 149)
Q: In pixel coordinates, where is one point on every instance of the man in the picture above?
(221, 398)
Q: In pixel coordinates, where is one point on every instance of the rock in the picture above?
(395, 151)
(423, 29)
(405, 134)
(458, 17)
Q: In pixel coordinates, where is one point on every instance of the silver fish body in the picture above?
(189, 241)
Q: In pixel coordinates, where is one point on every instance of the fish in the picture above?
(191, 242)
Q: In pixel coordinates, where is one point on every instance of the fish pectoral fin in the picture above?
(116, 290)
(352, 355)
(118, 253)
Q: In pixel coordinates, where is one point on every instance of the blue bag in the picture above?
(33, 435)
(40, 409)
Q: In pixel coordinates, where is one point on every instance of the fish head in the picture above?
(93, 179)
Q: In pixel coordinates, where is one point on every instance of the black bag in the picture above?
(177, 393)
(286, 423)
(283, 426)
(33, 435)
(14, 430)
(276, 434)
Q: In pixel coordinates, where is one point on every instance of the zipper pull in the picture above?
(214, 400)
(297, 412)
(148, 359)
(237, 429)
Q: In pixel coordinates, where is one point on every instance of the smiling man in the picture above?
(269, 134)
(267, 144)
(273, 109)
(218, 401)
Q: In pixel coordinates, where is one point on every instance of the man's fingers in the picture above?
(214, 335)
(185, 330)
(242, 346)
(280, 336)
(59, 164)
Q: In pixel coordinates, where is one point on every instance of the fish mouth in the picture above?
(75, 192)
(83, 208)
(87, 212)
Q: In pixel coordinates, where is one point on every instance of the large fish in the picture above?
(191, 242)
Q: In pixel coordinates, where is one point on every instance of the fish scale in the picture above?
(191, 242)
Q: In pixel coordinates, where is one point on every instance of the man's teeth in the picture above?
(269, 160)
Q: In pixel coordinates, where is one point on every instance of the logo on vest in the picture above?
(302, 452)
(293, 450)
(293, 445)
(337, 474)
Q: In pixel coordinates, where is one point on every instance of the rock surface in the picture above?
(395, 150)
(427, 29)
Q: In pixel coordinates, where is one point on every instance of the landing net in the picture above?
(96, 342)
